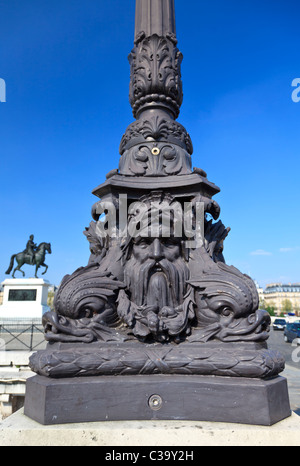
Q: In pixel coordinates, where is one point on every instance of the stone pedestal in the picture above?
(160, 397)
(24, 298)
(19, 430)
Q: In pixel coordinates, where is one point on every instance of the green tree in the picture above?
(50, 299)
(287, 306)
(271, 310)
(297, 309)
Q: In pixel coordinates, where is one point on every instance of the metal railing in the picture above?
(21, 334)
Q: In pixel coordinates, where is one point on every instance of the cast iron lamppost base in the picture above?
(157, 325)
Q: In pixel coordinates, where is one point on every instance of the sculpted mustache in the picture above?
(149, 265)
(137, 277)
(164, 264)
(172, 272)
(170, 269)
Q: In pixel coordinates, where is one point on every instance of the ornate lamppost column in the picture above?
(157, 325)
(155, 17)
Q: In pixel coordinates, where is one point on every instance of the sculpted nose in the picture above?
(156, 250)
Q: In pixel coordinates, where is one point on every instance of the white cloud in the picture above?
(289, 249)
(260, 252)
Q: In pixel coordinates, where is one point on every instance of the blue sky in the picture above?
(67, 77)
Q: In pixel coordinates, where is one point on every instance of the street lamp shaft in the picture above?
(155, 17)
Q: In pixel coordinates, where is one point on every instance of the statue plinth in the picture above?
(157, 325)
(24, 298)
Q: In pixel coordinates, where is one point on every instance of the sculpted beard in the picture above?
(156, 283)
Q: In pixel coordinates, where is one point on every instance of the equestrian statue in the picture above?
(32, 255)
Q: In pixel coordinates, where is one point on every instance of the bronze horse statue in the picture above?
(25, 258)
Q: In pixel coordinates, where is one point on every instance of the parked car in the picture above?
(292, 332)
(279, 324)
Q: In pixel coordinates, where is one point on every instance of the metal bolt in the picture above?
(155, 402)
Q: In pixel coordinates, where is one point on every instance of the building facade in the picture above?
(284, 298)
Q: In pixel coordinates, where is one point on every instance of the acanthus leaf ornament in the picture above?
(155, 74)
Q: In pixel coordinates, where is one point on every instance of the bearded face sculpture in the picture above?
(156, 272)
(152, 286)
(156, 276)
(149, 285)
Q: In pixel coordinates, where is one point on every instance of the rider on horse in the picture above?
(32, 255)
(30, 250)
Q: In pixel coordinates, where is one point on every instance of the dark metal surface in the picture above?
(155, 17)
(221, 399)
(156, 288)
(252, 360)
(157, 318)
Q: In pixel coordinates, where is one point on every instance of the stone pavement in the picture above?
(292, 375)
(19, 430)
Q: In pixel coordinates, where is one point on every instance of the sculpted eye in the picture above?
(143, 243)
(169, 243)
(226, 312)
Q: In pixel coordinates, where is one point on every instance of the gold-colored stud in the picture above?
(155, 151)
